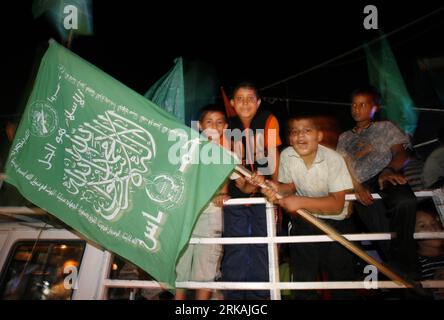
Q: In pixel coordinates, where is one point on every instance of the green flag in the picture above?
(185, 89)
(169, 91)
(111, 164)
(384, 74)
(201, 87)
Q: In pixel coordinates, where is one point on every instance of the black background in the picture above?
(137, 41)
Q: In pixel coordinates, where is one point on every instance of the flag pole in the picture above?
(332, 233)
(69, 42)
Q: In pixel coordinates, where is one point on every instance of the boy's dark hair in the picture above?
(211, 108)
(369, 91)
(302, 116)
(428, 206)
(246, 85)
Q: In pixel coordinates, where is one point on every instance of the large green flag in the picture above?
(384, 74)
(111, 164)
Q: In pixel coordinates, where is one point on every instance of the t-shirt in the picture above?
(413, 173)
(434, 167)
(429, 266)
(252, 145)
(327, 174)
(369, 151)
(261, 139)
(272, 131)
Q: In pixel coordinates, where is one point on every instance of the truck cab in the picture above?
(46, 260)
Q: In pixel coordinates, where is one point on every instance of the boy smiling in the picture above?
(314, 178)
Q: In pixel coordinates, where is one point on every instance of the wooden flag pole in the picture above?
(332, 233)
(69, 42)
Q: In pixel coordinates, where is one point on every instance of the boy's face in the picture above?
(363, 107)
(213, 125)
(246, 103)
(426, 222)
(304, 137)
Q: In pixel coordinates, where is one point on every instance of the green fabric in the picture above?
(169, 92)
(285, 276)
(54, 9)
(201, 88)
(385, 75)
(100, 157)
(185, 89)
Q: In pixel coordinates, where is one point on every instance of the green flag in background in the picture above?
(185, 89)
(201, 87)
(111, 164)
(169, 92)
(66, 15)
(384, 74)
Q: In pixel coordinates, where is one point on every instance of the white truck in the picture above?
(41, 261)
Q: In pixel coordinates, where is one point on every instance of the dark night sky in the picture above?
(265, 43)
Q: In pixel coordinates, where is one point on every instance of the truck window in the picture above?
(121, 269)
(44, 270)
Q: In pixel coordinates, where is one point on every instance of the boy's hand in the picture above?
(257, 179)
(290, 203)
(243, 185)
(363, 195)
(392, 177)
(271, 193)
(219, 200)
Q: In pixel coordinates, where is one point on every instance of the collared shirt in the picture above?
(369, 151)
(327, 174)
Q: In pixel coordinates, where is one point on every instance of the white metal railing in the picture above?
(418, 194)
(315, 285)
(317, 238)
(274, 285)
(348, 197)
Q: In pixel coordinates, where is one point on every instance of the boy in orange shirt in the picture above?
(255, 136)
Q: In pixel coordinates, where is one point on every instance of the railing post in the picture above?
(102, 289)
(273, 259)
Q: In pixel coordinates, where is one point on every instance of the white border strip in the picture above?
(418, 194)
(317, 238)
(268, 286)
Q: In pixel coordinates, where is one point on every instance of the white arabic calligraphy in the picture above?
(48, 157)
(78, 100)
(108, 157)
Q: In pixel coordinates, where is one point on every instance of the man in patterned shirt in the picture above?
(375, 154)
